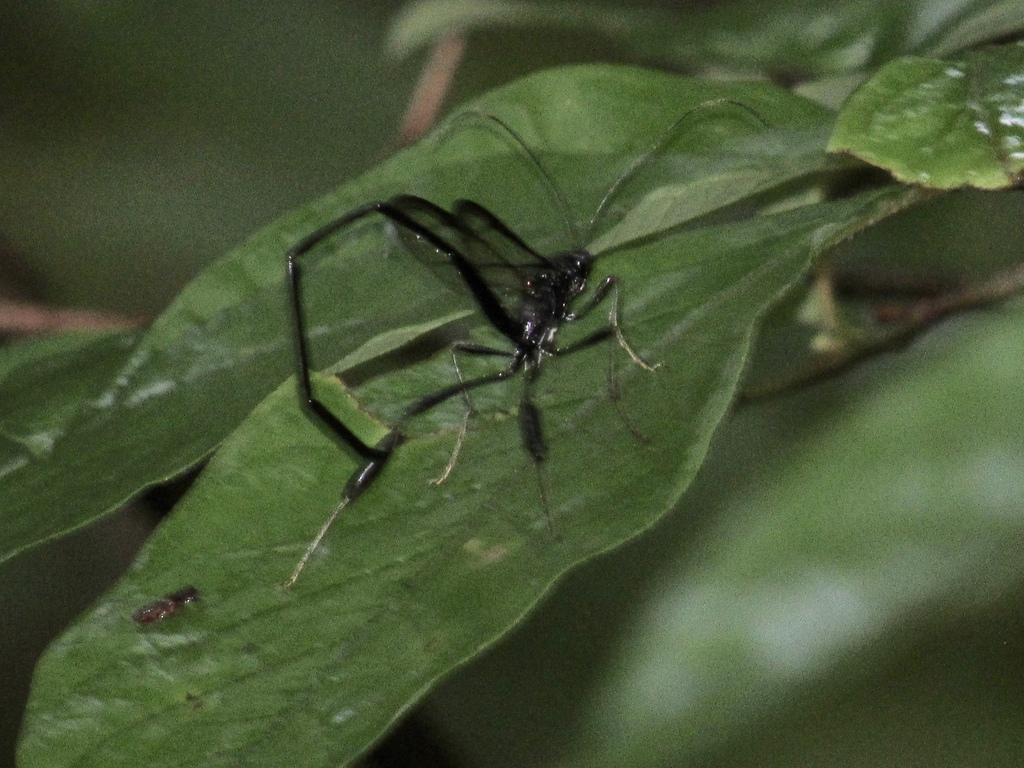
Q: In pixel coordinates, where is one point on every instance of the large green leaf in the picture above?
(942, 123)
(225, 342)
(71, 369)
(413, 579)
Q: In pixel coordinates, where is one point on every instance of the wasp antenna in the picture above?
(315, 543)
(660, 143)
(501, 129)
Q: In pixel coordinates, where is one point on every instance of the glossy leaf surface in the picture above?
(942, 123)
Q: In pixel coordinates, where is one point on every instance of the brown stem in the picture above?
(435, 81)
(902, 323)
(20, 318)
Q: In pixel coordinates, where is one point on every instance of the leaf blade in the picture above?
(411, 581)
(941, 123)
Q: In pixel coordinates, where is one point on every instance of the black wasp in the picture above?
(525, 296)
(548, 290)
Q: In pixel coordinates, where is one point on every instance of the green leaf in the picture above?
(413, 579)
(942, 123)
(425, 21)
(731, 38)
(957, 28)
(226, 342)
(70, 368)
(36, 349)
(789, 39)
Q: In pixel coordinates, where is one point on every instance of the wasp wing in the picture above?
(470, 248)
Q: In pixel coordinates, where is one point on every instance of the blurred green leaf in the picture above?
(29, 424)
(140, 144)
(71, 368)
(959, 27)
(425, 21)
(942, 123)
(37, 349)
(868, 505)
(791, 39)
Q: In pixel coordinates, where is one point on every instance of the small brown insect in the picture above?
(165, 606)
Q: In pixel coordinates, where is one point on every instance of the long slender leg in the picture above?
(474, 349)
(394, 211)
(357, 483)
(463, 428)
(302, 358)
(375, 457)
(613, 320)
(364, 477)
(532, 432)
(611, 283)
(434, 399)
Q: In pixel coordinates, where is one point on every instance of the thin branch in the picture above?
(901, 323)
(20, 318)
(433, 87)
